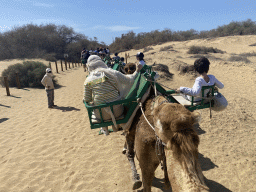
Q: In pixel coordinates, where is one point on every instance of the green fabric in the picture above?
(84, 61)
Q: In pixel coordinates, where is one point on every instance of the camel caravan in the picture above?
(158, 124)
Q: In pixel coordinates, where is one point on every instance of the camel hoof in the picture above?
(137, 184)
(114, 128)
(124, 151)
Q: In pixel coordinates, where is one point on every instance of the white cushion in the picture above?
(181, 100)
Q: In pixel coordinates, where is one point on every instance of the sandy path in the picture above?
(55, 150)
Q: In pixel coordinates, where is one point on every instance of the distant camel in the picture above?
(129, 68)
(173, 124)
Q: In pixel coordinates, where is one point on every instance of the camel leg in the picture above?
(166, 178)
(148, 171)
(125, 148)
(130, 138)
(135, 176)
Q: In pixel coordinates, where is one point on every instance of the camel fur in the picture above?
(130, 68)
(174, 126)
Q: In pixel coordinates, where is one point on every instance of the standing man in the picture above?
(49, 87)
(84, 56)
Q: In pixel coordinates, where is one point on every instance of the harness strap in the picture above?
(108, 110)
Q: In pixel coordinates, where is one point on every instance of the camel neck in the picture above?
(183, 179)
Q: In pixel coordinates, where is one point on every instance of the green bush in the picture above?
(203, 50)
(30, 74)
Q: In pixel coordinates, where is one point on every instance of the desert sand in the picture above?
(55, 150)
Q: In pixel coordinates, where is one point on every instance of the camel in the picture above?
(129, 68)
(173, 124)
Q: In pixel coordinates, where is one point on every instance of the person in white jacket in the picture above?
(104, 85)
(202, 67)
(49, 87)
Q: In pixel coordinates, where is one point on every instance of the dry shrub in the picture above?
(146, 49)
(30, 74)
(253, 54)
(239, 59)
(203, 50)
(163, 71)
(254, 44)
(166, 48)
(184, 68)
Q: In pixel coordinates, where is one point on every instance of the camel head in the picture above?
(130, 68)
(171, 118)
(174, 126)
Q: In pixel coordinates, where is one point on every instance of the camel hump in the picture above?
(177, 116)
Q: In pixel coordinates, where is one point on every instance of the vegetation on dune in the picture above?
(203, 50)
(239, 59)
(166, 48)
(132, 41)
(48, 42)
(146, 49)
(51, 42)
(30, 74)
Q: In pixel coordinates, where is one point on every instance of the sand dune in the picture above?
(55, 150)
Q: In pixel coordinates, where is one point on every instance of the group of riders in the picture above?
(103, 53)
(105, 85)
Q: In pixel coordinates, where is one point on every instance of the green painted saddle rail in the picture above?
(139, 88)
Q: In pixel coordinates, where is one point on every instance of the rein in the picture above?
(159, 143)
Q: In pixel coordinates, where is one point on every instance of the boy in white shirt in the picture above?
(140, 57)
(202, 67)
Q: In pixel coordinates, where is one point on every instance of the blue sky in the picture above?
(107, 19)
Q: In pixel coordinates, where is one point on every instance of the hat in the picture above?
(140, 54)
(94, 62)
(48, 70)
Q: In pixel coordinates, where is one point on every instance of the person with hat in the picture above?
(140, 58)
(49, 87)
(102, 54)
(104, 85)
(116, 58)
(84, 56)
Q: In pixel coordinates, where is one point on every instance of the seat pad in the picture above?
(181, 100)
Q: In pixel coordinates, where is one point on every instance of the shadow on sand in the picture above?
(15, 97)
(65, 109)
(5, 106)
(198, 129)
(3, 119)
(206, 164)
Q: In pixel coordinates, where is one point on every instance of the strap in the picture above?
(108, 110)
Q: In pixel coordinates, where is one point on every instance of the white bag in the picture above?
(220, 102)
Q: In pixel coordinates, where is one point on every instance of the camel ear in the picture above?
(196, 116)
